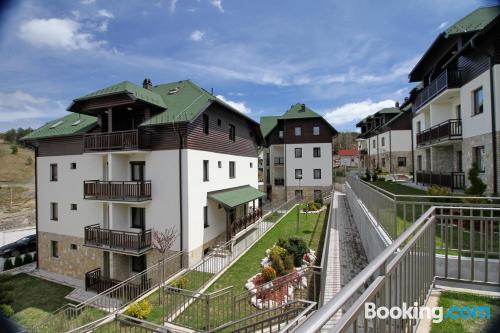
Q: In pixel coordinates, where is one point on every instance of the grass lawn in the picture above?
(398, 188)
(449, 299)
(19, 167)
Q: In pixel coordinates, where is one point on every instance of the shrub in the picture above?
(278, 265)
(18, 261)
(7, 264)
(180, 283)
(374, 177)
(311, 206)
(367, 176)
(139, 310)
(436, 190)
(6, 310)
(277, 250)
(318, 202)
(477, 187)
(296, 247)
(27, 259)
(29, 161)
(268, 274)
(13, 149)
(289, 263)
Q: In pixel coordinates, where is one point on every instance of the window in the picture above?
(299, 194)
(317, 194)
(73, 207)
(459, 161)
(53, 172)
(419, 162)
(298, 173)
(316, 130)
(478, 101)
(479, 157)
(205, 170)
(383, 161)
(137, 170)
(205, 217)
(419, 126)
(72, 166)
(317, 173)
(53, 211)
(280, 134)
(138, 263)
(251, 165)
(316, 152)
(219, 164)
(138, 216)
(54, 251)
(373, 143)
(232, 169)
(232, 132)
(219, 122)
(205, 124)
(459, 111)
(383, 142)
(298, 131)
(401, 161)
(298, 152)
(73, 247)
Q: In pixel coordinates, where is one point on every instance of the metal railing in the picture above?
(447, 130)
(119, 140)
(453, 180)
(447, 79)
(123, 241)
(279, 181)
(117, 190)
(246, 221)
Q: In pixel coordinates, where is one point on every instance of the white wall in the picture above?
(496, 78)
(401, 140)
(481, 123)
(307, 163)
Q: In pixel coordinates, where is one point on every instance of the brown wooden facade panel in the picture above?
(307, 124)
(166, 137)
(471, 64)
(58, 146)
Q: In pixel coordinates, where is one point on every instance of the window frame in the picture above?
(138, 261)
(297, 130)
(479, 150)
(54, 249)
(205, 217)
(232, 132)
(54, 211)
(314, 131)
(206, 171)
(141, 218)
(299, 151)
(477, 109)
(72, 166)
(316, 149)
(301, 174)
(383, 141)
(314, 173)
(73, 206)
(141, 165)
(205, 124)
(53, 172)
(232, 169)
(400, 159)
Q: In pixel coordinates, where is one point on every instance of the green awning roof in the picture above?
(236, 196)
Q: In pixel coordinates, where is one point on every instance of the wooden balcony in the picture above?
(94, 281)
(244, 222)
(117, 141)
(447, 130)
(446, 80)
(453, 180)
(119, 241)
(134, 191)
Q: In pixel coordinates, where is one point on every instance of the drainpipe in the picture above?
(412, 149)
(390, 151)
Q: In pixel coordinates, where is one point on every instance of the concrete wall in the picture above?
(307, 163)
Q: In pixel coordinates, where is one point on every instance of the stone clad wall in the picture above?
(307, 191)
(467, 145)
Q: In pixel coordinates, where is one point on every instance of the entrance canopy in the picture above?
(233, 197)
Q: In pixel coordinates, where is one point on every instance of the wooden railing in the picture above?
(244, 222)
(447, 79)
(94, 281)
(447, 130)
(117, 190)
(279, 160)
(124, 241)
(453, 180)
(279, 182)
(121, 140)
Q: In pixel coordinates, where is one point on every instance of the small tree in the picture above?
(368, 176)
(13, 149)
(477, 187)
(163, 240)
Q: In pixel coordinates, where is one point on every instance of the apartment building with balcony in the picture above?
(385, 141)
(128, 160)
(455, 105)
(297, 158)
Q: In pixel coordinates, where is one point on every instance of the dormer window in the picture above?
(56, 124)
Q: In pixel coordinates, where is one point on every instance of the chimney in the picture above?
(146, 84)
(397, 105)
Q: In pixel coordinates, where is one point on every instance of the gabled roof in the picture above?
(73, 123)
(127, 87)
(267, 124)
(235, 196)
(475, 21)
(348, 152)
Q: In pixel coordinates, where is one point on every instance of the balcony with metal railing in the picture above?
(450, 129)
(116, 240)
(279, 182)
(446, 80)
(127, 191)
(117, 141)
(453, 180)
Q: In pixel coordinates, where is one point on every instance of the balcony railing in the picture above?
(96, 282)
(279, 182)
(245, 221)
(113, 141)
(279, 161)
(122, 241)
(453, 180)
(447, 130)
(445, 80)
(117, 190)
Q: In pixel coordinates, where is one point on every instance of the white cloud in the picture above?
(87, 2)
(240, 106)
(356, 111)
(217, 4)
(58, 34)
(19, 105)
(105, 13)
(442, 25)
(197, 35)
(173, 5)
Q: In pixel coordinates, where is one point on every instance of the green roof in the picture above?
(267, 124)
(138, 92)
(73, 123)
(236, 196)
(388, 110)
(475, 21)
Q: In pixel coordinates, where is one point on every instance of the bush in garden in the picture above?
(18, 261)
(311, 206)
(296, 247)
(268, 273)
(277, 250)
(6, 309)
(436, 190)
(278, 265)
(7, 264)
(319, 202)
(180, 283)
(367, 176)
(139, 310)
(27, 259)
(289, 263)
(477, 186)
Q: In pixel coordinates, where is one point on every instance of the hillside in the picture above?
(17, 188)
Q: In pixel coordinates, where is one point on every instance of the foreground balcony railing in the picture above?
(117, 190)
(453, 180)
(120, 241)
(113, 141)
(445, 80)
(279, 182)
(244, 222)
(447, 130)
(94, 281)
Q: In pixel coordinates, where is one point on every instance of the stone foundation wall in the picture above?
(73, 263)
(278, 194)
(394, 162)
(307, 191)
(468, 157)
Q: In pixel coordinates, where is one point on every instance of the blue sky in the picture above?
(344, 59)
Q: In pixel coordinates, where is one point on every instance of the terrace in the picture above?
(117, 141)
(129, 191)
(450, 129)
(135, 243)
(446, 80)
